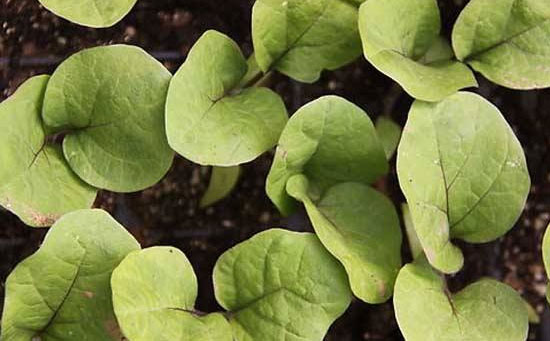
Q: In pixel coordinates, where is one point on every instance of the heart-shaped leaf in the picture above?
(360, 227)
(401, 39)
(110, 103)
(208, 120)
(91, 13)
(281, 285)
(485, 310)
(463, 173)
(154, 293)
(35, 181)
(302, 38)
(506, 40)
(222, 182)
(62, 292)
(329, 140)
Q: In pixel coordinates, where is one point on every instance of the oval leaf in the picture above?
(91, 13)
(401, 39)
(360, 227)
(154, 292)
(222, 182)
(36, 182)
(281, 285)
(62, 292)
(485, 310)
(506, 41)
(209, 121)
(463, 173)
(329, 140)
(302, 38)
(110, 103)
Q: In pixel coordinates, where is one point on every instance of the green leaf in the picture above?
(389, 134)
(485, 310)
(358, 226)
(281, 285)
(329, 140)
(212, 122)
(222, 182)
(401, 39)
(35, 181)
(506, 41)
(62, 292)
(302, 38)
(546, 256)
(440, 50)
(414, 243)
(154, 293)
(109, 101)
(463, 173)
(91, 13)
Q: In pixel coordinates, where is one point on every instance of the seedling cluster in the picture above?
(111, 118)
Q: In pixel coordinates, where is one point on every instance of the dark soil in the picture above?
(33, 41)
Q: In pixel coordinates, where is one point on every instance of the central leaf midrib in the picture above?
(44, 330)
(507, 40)
(293, 44)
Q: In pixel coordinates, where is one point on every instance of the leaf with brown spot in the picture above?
(62, 292)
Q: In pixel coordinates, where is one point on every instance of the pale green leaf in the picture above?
(301, 38)
(222, 182)
(486, 310)
(506, 41)
(397, 34)
(440, 50)
(464, 175)
(208, 119)
(360, 227)
(109, 101)
(329, 140)
(35, 181)
(91, 13)
(63, 292)
(414, 243)
(154, 293)
(281, 285)
(389, 134)
(546, 256)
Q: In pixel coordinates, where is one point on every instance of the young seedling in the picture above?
(401, 38)
(91, 13)
(326, 158)
(210, 120)
(276, 285)
(501, 40)
(106, 105)
(36, 180)
(62, 292)
(302, 38)
(506, 41)
(444, 148)
(109, 101)
(484, 310)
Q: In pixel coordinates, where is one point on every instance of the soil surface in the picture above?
(34, 41)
